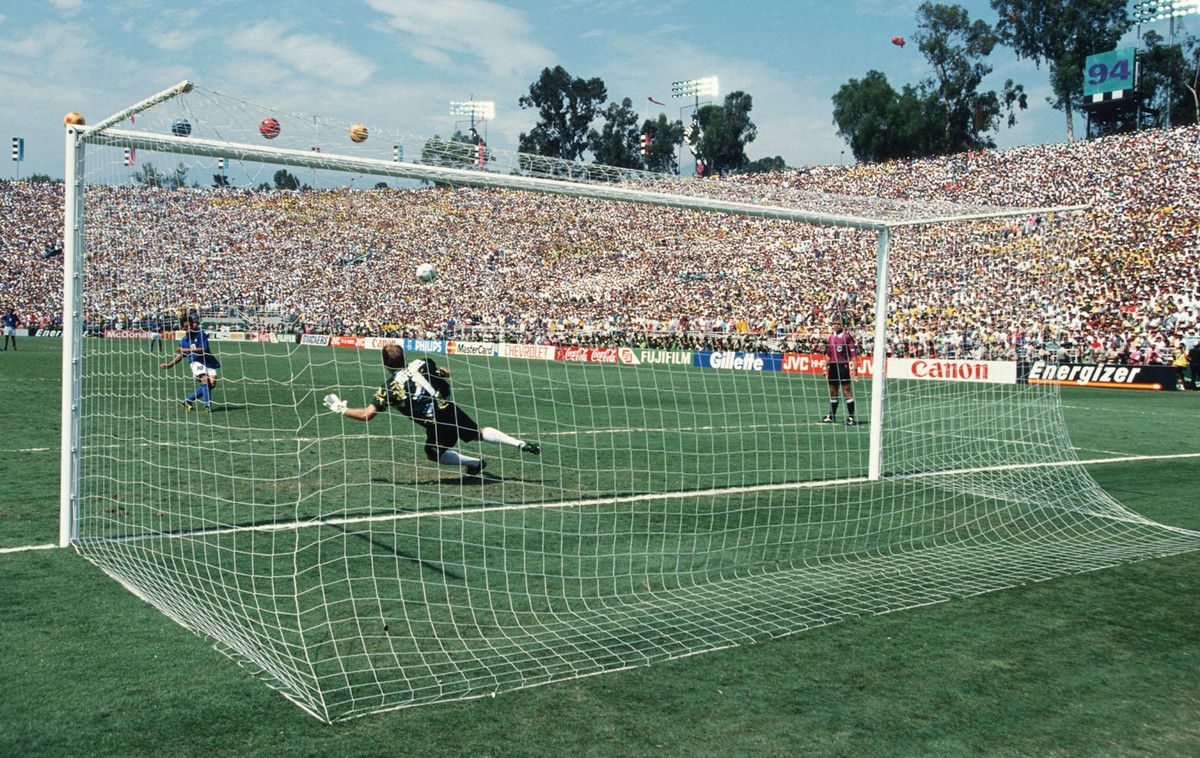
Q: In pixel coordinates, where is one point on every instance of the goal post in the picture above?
(686, 496)
(879, 356)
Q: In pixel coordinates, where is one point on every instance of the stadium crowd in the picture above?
(1117, 281)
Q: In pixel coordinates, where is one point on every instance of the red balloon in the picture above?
(898, 41)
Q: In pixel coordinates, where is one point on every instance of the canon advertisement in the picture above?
(994, 372)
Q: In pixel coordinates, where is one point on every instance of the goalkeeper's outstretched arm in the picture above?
(338, 405)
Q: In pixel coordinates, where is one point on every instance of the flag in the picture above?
(18, 148)
(654, 101)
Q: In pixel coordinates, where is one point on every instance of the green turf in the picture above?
(1098, 664)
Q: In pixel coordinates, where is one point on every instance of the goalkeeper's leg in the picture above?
(848, 391)
(470, 431)
(495, 436)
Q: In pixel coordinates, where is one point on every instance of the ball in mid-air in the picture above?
(358, 133)
(268, 128)
(73, 119)
(426, 272)
(180, 127)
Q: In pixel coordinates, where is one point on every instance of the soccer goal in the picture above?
(687, 497)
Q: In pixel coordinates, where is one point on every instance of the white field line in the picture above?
(487, 509)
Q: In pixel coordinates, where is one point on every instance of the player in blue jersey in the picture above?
(419, 389)
(193, 346)
(841, 351)
(11, 321)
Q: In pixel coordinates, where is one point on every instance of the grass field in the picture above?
(1098, 664)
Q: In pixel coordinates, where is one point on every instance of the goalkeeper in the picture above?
(840, 352)
(420, 390)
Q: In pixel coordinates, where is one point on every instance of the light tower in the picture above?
(706, 87)
(477, 111)
(1145, 11)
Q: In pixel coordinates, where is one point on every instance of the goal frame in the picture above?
(103, 133)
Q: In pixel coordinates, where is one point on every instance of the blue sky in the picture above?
(401, 62)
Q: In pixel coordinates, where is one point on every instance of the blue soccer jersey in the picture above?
(198, 339)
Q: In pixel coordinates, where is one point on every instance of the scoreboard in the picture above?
(1111, 72)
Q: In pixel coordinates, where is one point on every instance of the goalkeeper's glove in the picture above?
(335, 403)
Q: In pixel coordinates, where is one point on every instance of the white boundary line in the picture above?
(485, 509)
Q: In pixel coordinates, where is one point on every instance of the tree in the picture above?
(460, 151)
(955, 48)
(1168, 81)
(1062, 35)
(765, 165)
(220, 180)
(665, 138)
(616, 144)
(881, 124)
(149, 176)
(566, 109)
(285, 180)
(725, 130)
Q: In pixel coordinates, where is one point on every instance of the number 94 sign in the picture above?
(1108, 72)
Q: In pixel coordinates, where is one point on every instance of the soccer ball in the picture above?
(269, 128)
(181, 127)
(73, 119)
(358, 133)
(426, 272)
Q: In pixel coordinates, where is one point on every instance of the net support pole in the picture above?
(73, 188)
(879, 356)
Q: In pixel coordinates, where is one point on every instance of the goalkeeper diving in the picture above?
(420, 390)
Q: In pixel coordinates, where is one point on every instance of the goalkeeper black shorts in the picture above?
(839, 373)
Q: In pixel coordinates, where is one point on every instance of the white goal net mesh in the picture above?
(665, 358)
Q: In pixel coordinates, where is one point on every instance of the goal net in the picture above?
(660, 340)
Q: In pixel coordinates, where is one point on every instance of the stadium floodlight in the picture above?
(1157, 10)
(697, 88)
(705, 87)
(478, 111)
(483, 109)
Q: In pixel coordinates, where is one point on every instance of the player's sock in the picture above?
(206, 394)
(497, 437)
(455, 458)
(833, 406)
(850, 407)
(193, 396)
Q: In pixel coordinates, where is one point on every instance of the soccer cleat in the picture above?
(532, 448)
(186, 405)
(850, 421)
(477, 468)
(208, 409)
(827, 420)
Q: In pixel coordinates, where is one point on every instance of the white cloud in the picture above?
(469, 32)
(305, 53)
